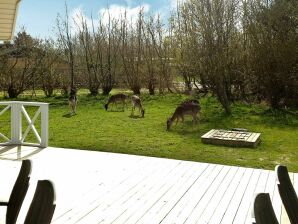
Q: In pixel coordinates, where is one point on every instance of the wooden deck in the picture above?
(98, 187)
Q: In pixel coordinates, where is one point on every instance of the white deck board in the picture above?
(234, 204)
(243, 208)
(208, 199)
(166, 203)
(187, 203)
(227, 197)
(260, 187)
(99, 187)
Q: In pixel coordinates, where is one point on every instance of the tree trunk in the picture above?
(48, 92)
(222, 96)
(106, 90)
(136, 90)
(151, 88)
(64, 91)
(93, 91)
(12, 92)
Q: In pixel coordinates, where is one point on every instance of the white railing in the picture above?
(18, 110)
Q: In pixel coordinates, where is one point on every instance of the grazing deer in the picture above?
(187, 101)
(72, 101)
(182, 110)
(117, 98)
(136, 102)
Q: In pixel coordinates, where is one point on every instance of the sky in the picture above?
(39, 17)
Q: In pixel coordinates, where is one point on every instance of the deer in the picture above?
(187, 101)
(136, 102)
(72, 101)
(117, 98)
(184, 109)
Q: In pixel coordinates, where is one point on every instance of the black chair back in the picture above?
(287, 193)
(18, 193)
(43, 205)
(263, 210)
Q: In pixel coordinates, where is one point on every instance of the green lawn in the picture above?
(95, 129)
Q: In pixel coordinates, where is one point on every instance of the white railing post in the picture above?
(44, 125)
(16, 124)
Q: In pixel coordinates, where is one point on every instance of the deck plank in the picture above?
(260, 187)
(233, 206)
(276, 202)
(127, 185)
(217, 197)
(247, 197)
(139, 210)
(209, 194)
(99, 187)
(183, 208)
(228, 196)
(168, 202)
(142, 195)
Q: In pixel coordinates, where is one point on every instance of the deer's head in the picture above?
(169, 123)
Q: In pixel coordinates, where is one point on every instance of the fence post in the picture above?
(16, 123)
(44, 125)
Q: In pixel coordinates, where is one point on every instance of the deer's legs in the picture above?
(197, 119)
(194, 119)
(132, 110)
(70, 106)
(74, 108)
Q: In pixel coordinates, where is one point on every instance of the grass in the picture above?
(95, 129)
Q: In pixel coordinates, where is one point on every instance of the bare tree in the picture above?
(111, 59)
(162, 43)
(67, 43)
(90, 55)
(131, 52)
(212, 26)
(48, 71)
(150, 56)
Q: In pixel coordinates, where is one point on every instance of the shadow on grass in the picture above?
(113, 110)
(185, 128)
(69, 115)
(135, 116)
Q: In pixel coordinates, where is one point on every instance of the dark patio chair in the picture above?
(263, 210)
(18, 193)
(287, 193)
(43, 204)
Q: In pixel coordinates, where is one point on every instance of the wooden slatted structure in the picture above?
(231, 138)
(99, 187)
(8, 16)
